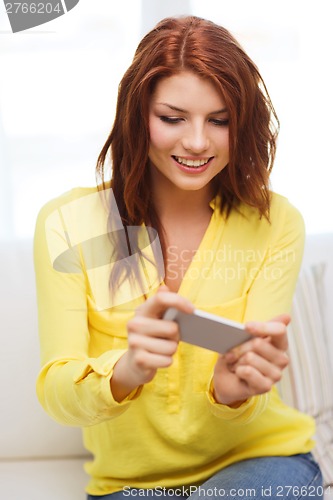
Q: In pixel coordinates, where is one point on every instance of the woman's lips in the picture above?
(192, 165)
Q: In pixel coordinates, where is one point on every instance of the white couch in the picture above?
(40, 459)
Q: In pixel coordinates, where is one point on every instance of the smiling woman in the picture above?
(191, 149)
(237, 87)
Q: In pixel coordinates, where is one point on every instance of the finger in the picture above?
(276, 330)
(271, 325)
(152, 327)
(262, 329)
(152, 345)
(156, 305)
(267, 369)
(264, 348)
(234, 354)
(148, 361)
(163, 288)
(255, 380)
(282, 318)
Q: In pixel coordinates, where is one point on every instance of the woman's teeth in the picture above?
(191, 163)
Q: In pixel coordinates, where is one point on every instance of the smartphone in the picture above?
(208, 330)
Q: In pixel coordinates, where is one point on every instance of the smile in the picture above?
(192, 163)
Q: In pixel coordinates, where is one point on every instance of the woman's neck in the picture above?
(172, 203)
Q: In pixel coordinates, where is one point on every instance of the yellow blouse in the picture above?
(171, 431)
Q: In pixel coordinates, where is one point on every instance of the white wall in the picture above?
(58, 89)
(154, 10)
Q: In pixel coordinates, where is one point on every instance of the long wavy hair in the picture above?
(211, 52)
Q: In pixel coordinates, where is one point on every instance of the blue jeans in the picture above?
(294, 477)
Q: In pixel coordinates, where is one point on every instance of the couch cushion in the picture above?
(306, 383)
(26, 430)
(43, 479)
(319, 249)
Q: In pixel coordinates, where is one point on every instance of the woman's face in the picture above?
(189, 134)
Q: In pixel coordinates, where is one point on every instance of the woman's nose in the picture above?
(196, 140)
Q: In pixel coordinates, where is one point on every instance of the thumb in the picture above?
(163, 288)
(281, 318)
(272, 326)
(272, 329)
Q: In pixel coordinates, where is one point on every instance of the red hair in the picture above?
(210, 51)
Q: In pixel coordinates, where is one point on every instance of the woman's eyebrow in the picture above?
(219, 111)
(180, 110)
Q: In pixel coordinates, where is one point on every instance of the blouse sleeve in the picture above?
(272, 290)
(72, 387)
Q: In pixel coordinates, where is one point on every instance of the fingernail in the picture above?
(230, 357)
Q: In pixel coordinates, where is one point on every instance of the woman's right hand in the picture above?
(152, 342)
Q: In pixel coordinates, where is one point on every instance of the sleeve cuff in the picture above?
(244, 414)
(102, 369)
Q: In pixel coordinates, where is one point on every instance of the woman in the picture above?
(191, 148)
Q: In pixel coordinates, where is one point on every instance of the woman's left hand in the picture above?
(255, 366)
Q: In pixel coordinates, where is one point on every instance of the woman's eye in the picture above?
(219, 123)
(169, 119)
